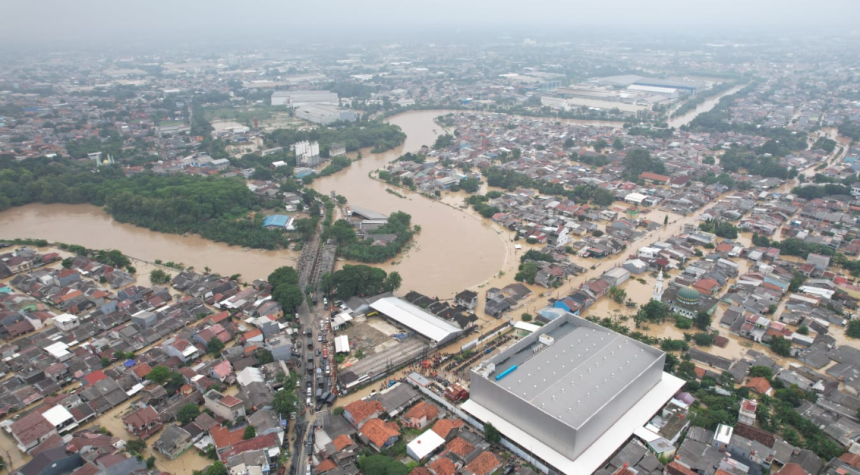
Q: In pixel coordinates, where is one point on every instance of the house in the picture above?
(746, 413)
(54, 461)
(447, 428)
(379, 434)
(420, 415)
(173, 442)
(31, 430)
(760, 386)
(484, 464)
(359, 412)
(182, 349)
(227, 407)
(222, 370)
(467, 299)
(143, 422)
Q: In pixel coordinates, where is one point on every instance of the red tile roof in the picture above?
(442, 466)
(484, 464)
(378, 432)
(460, 447)
(791, 469)
(342, 441)
(444, 426)
(361, 410)
(422, 409)
(325, 466)
(759, 385)
(224, 437)
(674, 468)
(95, 376)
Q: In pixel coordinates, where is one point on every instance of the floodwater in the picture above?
(91, 227)
(703, 107)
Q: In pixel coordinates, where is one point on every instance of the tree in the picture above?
(250, 432)
(392, 282)
(469, 185)
(526, 317)
(760, 372)
(665, 220)
(638, 161)
(703, 339)
(853, 329)
(158, 277)
(382, 465)
(135, 446)
(618, 295)
(803, 330)
(338, 411)
(618, 144)
(290, 297)
(655, 311)
(491, 433)
(780, 346)
(527, 273)
(159, 375)
(599, 145)
(702, 320)
(188, 413)
(150, 462)
(216, 468)
(214, 346)
(264, 356)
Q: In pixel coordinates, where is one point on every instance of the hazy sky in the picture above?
(66, 20)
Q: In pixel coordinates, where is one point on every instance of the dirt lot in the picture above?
(364, 336)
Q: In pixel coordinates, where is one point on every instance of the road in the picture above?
(313, 318)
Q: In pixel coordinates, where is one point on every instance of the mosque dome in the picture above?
(688, 295)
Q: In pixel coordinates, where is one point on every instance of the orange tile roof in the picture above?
(325, 466)
(141, 370)
(378, 432)
(460, 447)
(361, 410)
(444, 426)
(224, 437)
(759, 385)
(792, 469)
(851, 459)
(442, 466)
(484, 464)
(421, 471)
(341, 441)
(674, 468)
(422, 409)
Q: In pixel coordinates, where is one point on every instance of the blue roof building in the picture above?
(278, 221)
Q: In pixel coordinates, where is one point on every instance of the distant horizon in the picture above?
(62, 24)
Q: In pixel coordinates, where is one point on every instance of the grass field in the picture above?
(243, 115)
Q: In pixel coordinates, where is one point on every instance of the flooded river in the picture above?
(703, 107)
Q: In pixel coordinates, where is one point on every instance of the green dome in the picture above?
(688, 295)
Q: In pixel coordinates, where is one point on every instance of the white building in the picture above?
(424, 445)
(324, 114)
(67, 322)
(297, 98)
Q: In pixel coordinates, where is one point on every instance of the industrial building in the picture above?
(570, 394)
(415, 318)
(324, 114)
(298, 98)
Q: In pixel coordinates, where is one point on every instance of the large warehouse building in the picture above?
(569, 395)
(415, 318)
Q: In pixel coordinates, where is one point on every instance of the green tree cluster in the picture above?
(399, 224)
(362, 280)
(638, 161)
(285, 288)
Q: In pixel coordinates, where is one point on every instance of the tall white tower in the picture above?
(658, 288)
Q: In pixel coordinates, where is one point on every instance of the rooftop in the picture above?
(575, 376)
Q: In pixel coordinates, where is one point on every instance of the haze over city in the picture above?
(434, 238)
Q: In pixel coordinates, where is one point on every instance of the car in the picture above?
(319, 338)
(317, 352)
(325, 301)
(310, 391)
(325, 353)
(308, 401)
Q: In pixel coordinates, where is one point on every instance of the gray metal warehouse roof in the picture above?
(582, 370)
